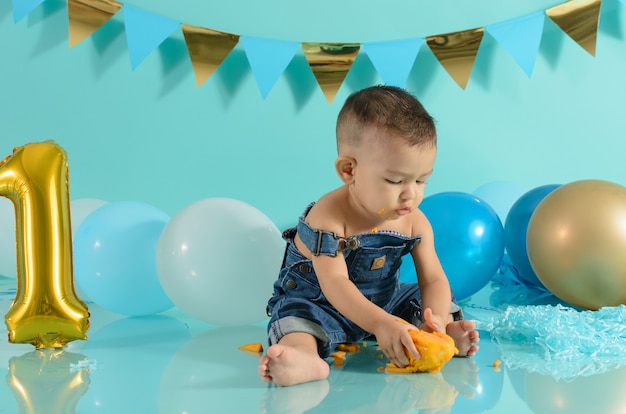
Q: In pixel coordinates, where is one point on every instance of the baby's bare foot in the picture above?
(285, 365)
(465, 337)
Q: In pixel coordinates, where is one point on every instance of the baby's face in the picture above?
(391, 175)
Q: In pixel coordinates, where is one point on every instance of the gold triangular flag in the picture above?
(579, 19)
(87, 16)
(456, 52)
(207, 49)
(330, 63)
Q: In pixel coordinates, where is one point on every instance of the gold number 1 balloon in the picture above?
(46, 311)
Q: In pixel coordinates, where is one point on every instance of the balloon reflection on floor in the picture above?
(172, 363)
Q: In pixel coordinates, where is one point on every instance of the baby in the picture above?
(339, 281)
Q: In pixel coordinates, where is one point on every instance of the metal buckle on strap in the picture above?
(343, 244)
(350, 243)
(319, 243)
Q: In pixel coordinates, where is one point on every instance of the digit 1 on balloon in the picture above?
(46, 311)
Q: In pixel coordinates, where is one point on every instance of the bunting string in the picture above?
(329, 62)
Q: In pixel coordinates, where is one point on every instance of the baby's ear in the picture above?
(345, 168)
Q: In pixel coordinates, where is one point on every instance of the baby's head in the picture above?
(391, 110)
(387, 145)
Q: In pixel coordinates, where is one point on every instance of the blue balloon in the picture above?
(516, 227)
(115, 258)
(469, 239)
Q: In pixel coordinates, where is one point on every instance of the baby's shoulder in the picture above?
(326, 214)
(420, 224)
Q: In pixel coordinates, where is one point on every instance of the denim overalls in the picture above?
(373, 260)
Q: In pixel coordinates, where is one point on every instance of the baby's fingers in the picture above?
(430, 322)
(407, 342)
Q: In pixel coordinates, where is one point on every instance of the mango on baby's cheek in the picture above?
(435, 349)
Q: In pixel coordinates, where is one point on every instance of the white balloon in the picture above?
(217, 260)
(8, 252)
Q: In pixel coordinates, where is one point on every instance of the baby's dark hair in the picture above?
(387, 107)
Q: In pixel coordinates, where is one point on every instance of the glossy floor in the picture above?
(170, 363)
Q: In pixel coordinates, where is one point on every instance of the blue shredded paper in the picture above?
(552, 338)
(560, 341)
(537, 332)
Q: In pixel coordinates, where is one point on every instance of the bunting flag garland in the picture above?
(330, 62)
(521, 38)
(268, 59)
(21, 8)
(87, 16)
(145, 32)
(394, 60)
(207, 49)
(579, 19)
(457, 52)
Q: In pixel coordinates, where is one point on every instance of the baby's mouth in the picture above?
(403, 211)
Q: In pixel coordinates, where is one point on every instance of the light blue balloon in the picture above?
(500, 195)
(469, 239)
(115, 258)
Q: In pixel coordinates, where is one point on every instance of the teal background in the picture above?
(151, 135)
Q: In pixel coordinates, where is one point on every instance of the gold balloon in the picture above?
(576, 243)
(42, 381)
(46, 311)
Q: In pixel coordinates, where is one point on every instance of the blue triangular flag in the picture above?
(394, 59)
(22, 8)
(520, 37)
(268, 59)
(145, 32)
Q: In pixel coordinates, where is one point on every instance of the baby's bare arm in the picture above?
(433, 282)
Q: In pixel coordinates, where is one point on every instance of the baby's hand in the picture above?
(394, 340)
(432, 323)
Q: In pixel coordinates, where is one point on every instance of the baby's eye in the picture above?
(393, 181)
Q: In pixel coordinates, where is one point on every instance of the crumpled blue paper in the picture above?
(560, 341)
(537, 332)
(510, 288)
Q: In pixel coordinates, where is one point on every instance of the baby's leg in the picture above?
(293, 360)
(465, 336)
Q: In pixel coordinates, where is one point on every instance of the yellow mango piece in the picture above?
(338, 358)
(435, 349)
(348, 347)
(256, 347)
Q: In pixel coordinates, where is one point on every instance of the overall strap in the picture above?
(321, 242)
